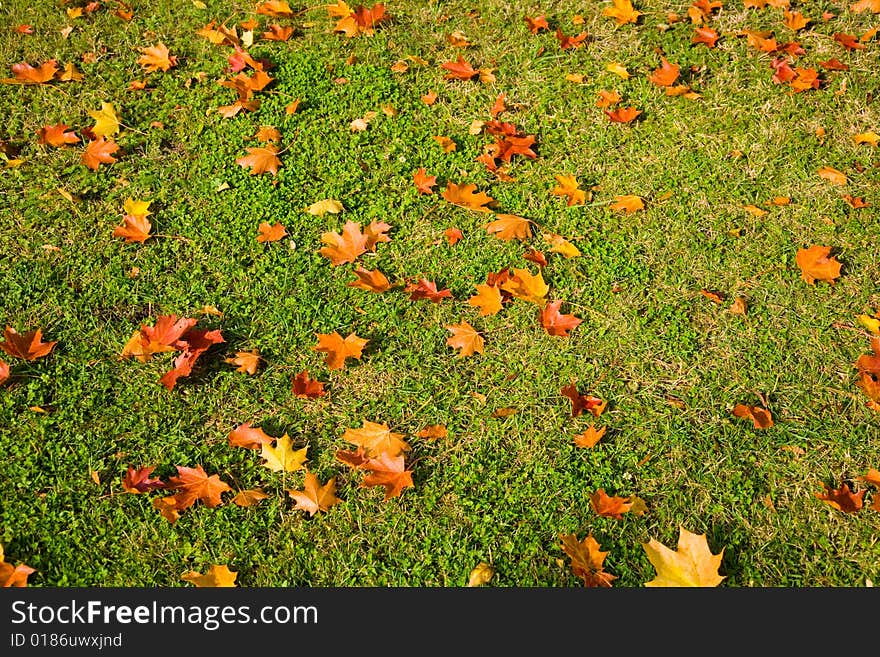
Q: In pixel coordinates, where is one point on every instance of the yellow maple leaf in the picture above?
(523, 285)
(568, 186)
(692, 564)
(136, 208)
(219, 576)
(487, 299)
(623, 12)
(282, 456)
(320, 208)
(871, 138)
(507, 227)
(106, 120)
(628, 203)
(558, 244)
(618, 69)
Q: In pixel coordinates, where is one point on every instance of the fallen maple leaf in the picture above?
(24, 73)
(587, 560)
(275, 8)
(4, 372)
(567, 186)
(459, 70)
(623, 12)
(581, 403)
(344, 247)
(194, 484)
(666, 74)
(871, 138)
(705, 35)
(573, 42)
(832, 175)
(387, 471)
(554, 322)
(216, 576)
(481, 574)
(425, 289)
(692, 564)
(307, 388)
(27, 346)
(372, 281)
(795, 20)
(165, 335)
(523, 285)
(453, 235)
(424, 182)
(816, 265)
(361, 20)
(99, 151)
(376, 439)
(760, 417)
(536, 24)
(135, 228)
(194, 343)
(156, 58)
(433, 432)
(249, 497)
(623, 114)
(558, 244)
(465, 338)
(281, 457)
(247, 361)
(250, 437)
(138, 481)
(315, 497)
(507, 227)
(842, 499)
(270, 232)
(261, 159)
(13, 576)
(55, 135)
(609, 506)
(338, 350)
(447, 144)
(466, 196)
(106, 120)
(487, 299)
(278, 33)
(533, 255)
(590, 437)
(866, 5)
(322, 207)
(429, 98)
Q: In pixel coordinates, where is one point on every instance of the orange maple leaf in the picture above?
(573, 42)
(609, 506)
(194, 343)
(376, 439)
(453, 235)
(705, 35)
(425, 289)
(487, 299)
(13, 576)
(270, 232)
(842, 499)
(26, 74)
(508, 227)
(99, 151)
(459, 70)
(55, 135)
(135, 228)
(795, 20)
(623, 114)
(372, 281)
(250, 437)
(554, 322)
(816, 265)
(307, 388)
(465, 338)
(466, 196)
(424, 182)
(27, 346)
(156, 58)
(536, 24)
(4, 372)
(338, 350)
(275, 8)
(623, 12)
(567, 186)
(832, 175)
(247, 361)
(315, 497)
(249, 497)
(388, 471)
(666, 74)
(345, 247)
(139, 481)
(590, 437)
(278, 33)
(261, 159)
(194, 484)
(760, 417)
(587, 560)
(165, 335)
(581, 403)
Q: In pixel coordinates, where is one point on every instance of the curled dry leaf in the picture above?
(249, 497)
(481, 574)
(567, 186)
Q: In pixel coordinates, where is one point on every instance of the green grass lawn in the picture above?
(499, 488)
